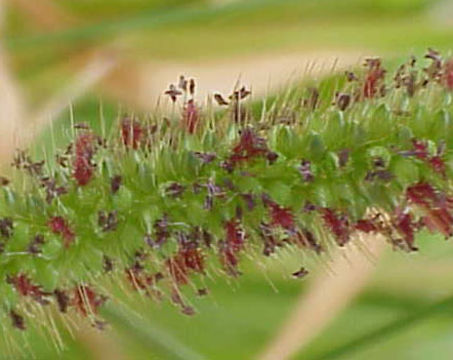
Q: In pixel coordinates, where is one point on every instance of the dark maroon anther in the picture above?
(270, 241)
(132, 133)
(83, 171)
(161, 231)
(85, 147)
(271, 157)
(227, 165)
(438, 165)
(373, 80)
(307, 239)
(148, 239)
(191, 117)
(207, 238)
(206, 158)
(173, 92)
(350, 76)
(439, 219)
(86, 300)
(63, 300)
(230, 247)
(301, 273)
(250, 146)
(434, 70)
(4, 181)
(342, 101)
(35, 245)
(309, 207)
(58, 225)
(20, 158)
(240, 94)
(6, 227)
(99, 324)
(220, 100)
(305, 171)
(379, 162)
(175, 190)
(188, 310)
(382, 175)
(17, 320)
(178, 270)
(202, 292)
(249, 201)
(406, 227)
(343, 157)
(158, 277)
(115, 183)
(436, 207)
(366, 226)
(312, 100)
(234, 235)
(281, 216)
(52, 190)
(421, 194)
(420, 149)
(25, 287)
(107, 264)
(34, 168)
(192, 87)
(338, 225)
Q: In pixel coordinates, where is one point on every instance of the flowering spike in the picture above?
(155, 217)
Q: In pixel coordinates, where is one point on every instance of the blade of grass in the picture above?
(149, 19)
(151, 337)
(380, 334)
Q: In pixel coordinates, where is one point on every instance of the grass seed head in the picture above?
(159, 205)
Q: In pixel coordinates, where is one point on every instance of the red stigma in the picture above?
(131, 133)
(234, 242)
(365, 226)
(191, 117)
(373, 78)
(84, 151)
(188, 259)
(58, 225)
(86, 301)
(281, 216)
(25, 287)
(250, 145)
(339, 226)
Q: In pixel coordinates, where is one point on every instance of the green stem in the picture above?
(149, 336)
(385, 331)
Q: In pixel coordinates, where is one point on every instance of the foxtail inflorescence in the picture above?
(163, 201)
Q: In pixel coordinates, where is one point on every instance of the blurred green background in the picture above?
(47, 43)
